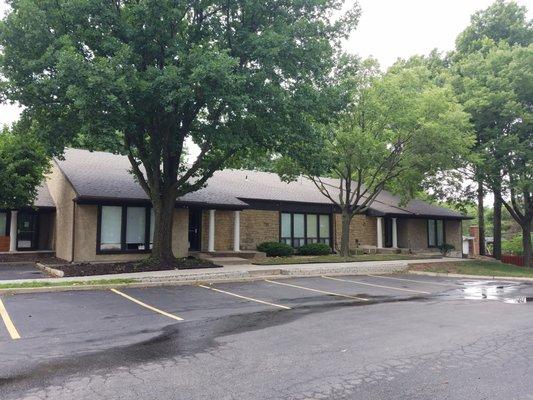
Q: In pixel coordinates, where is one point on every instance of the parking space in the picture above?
(48, 316)
(20, 271)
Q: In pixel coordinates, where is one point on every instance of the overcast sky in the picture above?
(388, 29)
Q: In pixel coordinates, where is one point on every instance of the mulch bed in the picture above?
(88, 269)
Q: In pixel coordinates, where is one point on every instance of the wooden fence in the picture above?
(513, 259)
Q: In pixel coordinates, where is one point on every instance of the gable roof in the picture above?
(43, 198)
(106, 176)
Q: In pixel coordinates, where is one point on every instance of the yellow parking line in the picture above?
(157, 310)
(370, 284)
(8, 322)
(413, 280)
(316, 290)
(244, 297)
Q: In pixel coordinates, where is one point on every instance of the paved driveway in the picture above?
(10, 271)
(346, 337)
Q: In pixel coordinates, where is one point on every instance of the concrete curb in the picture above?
(50, 270)
(218, 277)
(490, 277)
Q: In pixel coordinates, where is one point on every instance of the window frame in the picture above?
(319, 238)
(123, 226)
(435, 230)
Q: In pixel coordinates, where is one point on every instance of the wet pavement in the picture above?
(341, 337)
(10, 271)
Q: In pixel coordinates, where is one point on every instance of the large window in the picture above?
(125, 229)
(3, 224)
(298, 229)
(436, 236)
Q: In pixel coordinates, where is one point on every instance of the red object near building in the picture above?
(513, 259)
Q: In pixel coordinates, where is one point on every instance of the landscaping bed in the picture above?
(89, 269)
(475, 267)
(333, 258)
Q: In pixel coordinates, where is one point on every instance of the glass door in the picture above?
(27, 230)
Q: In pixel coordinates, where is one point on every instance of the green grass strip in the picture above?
(476, 267)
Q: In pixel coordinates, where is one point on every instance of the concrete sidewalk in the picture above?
(247, 272)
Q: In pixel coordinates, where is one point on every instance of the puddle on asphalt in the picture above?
(508, 292)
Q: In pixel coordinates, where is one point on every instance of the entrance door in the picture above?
(388, 232)
(195, 230)
(27, 230)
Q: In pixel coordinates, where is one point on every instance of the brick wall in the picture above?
(363, 229)
(257, 226)
(223, 230)
(412, 233)
(454, 234)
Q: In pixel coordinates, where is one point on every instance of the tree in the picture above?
(23, 163)
(502, 22)
(495, 87)
(399, 129)
(230, 75)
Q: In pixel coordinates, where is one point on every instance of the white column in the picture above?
(211, 238)
(13, 232)
(394, 233)
(237, 231)
(380, 232)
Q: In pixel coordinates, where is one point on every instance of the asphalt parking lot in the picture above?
(338, 337)
(20, 271)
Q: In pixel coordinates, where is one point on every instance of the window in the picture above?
(125, 229)
(298, 229)
(136, 228)
(3, 224)
(436, 235)
(324, 229)
(111, 226)
(312, 228)
(286, 228)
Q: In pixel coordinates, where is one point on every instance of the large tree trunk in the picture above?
(526, 244)
(345, 234)
(163, 224)
(481, 217)
(497, 223)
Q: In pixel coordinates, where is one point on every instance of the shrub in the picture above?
(275, 249)
(314, 249)
(445, 248)
(513, 246)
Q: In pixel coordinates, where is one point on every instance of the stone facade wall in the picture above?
(258, 226)
(62, 193)
(363, 231)
(454, 235)
(223, 230)
(412, 233)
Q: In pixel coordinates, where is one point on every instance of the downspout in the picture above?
(73, 230)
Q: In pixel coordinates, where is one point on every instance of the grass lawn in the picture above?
(475, 267)
(334, 258)
(38, 284)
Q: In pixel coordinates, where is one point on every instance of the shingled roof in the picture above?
(100, 175)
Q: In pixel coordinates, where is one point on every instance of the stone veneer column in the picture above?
(211, 237)
(379, 230)
(237, 231)
(13, 231)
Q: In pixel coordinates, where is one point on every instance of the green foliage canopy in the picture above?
(23, 163)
